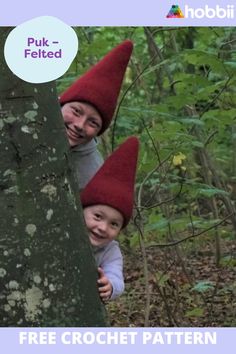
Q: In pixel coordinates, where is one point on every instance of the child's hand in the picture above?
(105, 288)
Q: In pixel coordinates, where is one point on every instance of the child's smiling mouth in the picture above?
(96, 236)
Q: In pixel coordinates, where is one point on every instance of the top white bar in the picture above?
(123, 12)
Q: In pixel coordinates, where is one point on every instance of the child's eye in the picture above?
(94, 124)
(76, 110)
(97, 216)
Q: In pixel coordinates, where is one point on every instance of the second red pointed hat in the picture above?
(113, 184)
(100, 86)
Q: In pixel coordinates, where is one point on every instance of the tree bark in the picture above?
(47, 272)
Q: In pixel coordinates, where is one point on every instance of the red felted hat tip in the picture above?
(114, 183)
(100, 86)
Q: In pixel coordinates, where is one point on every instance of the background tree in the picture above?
(47, 272)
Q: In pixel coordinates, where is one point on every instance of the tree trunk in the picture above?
(47, 272)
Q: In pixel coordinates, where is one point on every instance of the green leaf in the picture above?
(197, 144)
(203, 224)
(203, 286)
(228, 261)
(210, 192)
(134, 240)
(162, 279)
(197, 57)
(231, 65)
(192, 121)
(158, 225)
(197, 312)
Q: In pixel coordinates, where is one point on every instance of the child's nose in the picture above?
(79, 123)
(102, 226)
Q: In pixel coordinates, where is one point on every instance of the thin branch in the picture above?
(191, 222)
(215, 98)
(166, 29)
(191, 236)
(210, 137)
(158, 51)
(166, 201)
(146, 280)
(145, 180)
(152, 140)
(123, 97)
(229, 42)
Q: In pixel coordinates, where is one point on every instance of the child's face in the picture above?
(103, 222)
(82, 121)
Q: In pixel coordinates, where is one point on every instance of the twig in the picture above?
(145, 180)
(215, 98)
(152, 140)
(210, 137)
(229, 42)
(190, 236)
(145, 268)
(166, 201)
(123, 97)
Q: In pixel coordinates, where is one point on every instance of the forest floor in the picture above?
(186, 288)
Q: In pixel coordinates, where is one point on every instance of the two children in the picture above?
(107, 201)
(88, 106)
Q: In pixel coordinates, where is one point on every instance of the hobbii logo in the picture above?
(209, 12)
(201, 12)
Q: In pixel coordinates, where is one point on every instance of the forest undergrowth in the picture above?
(193, 292)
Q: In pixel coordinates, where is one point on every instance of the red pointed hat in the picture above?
(113, 184)
(100, 86)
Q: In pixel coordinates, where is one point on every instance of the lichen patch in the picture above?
(30, 229)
